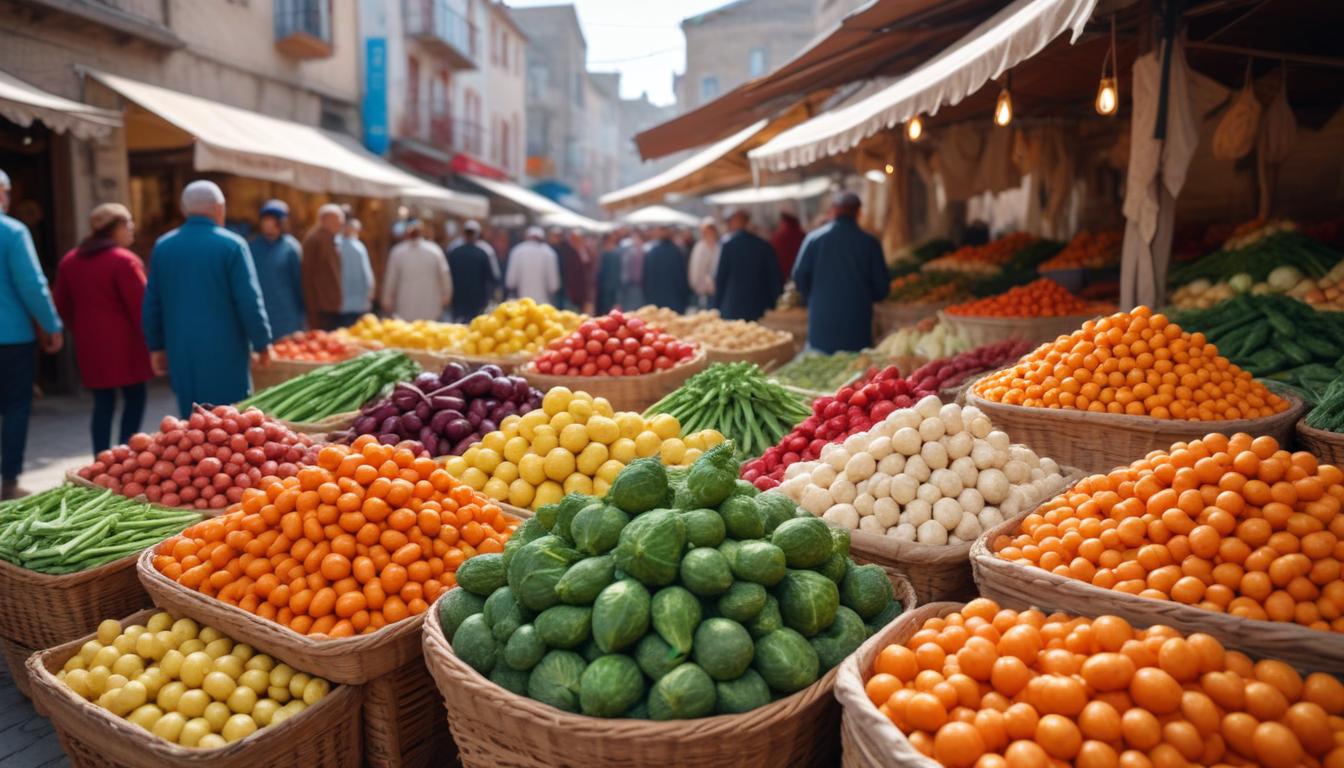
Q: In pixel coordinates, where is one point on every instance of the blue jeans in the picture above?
(19, 363)
(132, 413)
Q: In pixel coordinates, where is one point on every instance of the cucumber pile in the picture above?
(682, 594)
(1276, 338)
(1260, 257)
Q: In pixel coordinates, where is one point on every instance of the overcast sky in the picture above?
(639, 38)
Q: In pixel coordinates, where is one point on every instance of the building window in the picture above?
(756, 62)
(579, 77)
(709, 87)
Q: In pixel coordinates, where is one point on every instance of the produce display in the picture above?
(937, 375)
(1329, 411)
(1277, 338)
(366, 537)
(204, 461)
(71, 528)
(1325, 293)
(1203, 294)
(613, 345)
(816, 371)
(674, 322)
(187, 684)
(315, 347)
(737, 401)
(982, 260)
(518, 327)
(673, 598)
(1136, 363)
(988, 686)
(929, 288)
(423, 335)
(573, 443)
(1042, 297)
(1258, 253)
(936, 474)
(736, 335)
(1019, 268)
(916, 255)
(853, 409)
(1087, 250)
(337, 388)
(929, 339)
(445, 412)
(1235, 525)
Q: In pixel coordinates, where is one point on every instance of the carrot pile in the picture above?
(1087, 250)
(985, 259)
(1235, 525)
(315, 346)
(367, 537)
(1040, 298)
(1135, 363)
(994, 688)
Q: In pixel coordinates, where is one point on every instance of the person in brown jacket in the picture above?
(321, 275)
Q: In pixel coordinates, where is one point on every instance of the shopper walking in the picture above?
(633, 249)
(356, 273)
(748, 281)
(665, 273)
(322, 269)
(786, 240)
(473, 272)
(100, 293)
(609, 274)
(580, 277)
(28, 320)
(534, 268)
(417, 284)
(275, 256)
(841, 274)
(203, 309)
(705, 261)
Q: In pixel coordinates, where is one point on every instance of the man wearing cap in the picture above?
(841, 274)
(203, 308)
(747, 281)
(275, 256)
(322, 269)
(474, 275)
(356, 273)
(534, 268)
(27, 317)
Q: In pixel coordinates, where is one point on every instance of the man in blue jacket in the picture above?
(666, 282)
(276, 258)
(748, 280)
(25, 301)
(203, 305)
(841, 274)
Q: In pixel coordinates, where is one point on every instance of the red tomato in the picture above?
(645, 365)
(579, 357)
(623, 332)
(588, 369)
(618, 357)
(600, 336)
(630, 345)
(647, 353)
(609, 324)
(604, 361)
(593, 346)
(635, 324)
(662, 362)
(560, 369)
(630, 370)
(660, 346)
(611, 345)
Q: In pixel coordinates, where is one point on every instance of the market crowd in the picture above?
(209, 304)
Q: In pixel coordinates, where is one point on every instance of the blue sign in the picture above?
(374, 110)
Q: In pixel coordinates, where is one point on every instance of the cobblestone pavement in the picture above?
(58, 439)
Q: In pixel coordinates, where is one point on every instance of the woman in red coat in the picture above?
(100, 288)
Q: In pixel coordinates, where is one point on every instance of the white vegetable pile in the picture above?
(933, 474)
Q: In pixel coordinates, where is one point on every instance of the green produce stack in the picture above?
(680, 595)
(333, 389)
(737, 400)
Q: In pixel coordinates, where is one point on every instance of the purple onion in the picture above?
(475, 384)
(501, 388)
(384, 411)
(503, 410)
(440, 420)
(389, 425)
(431, 446)
(493, 370)
(424, 410)
(389, 438)
(447, 403)
(461, 446)
(426, 382)
(486, 426)
(365, 425)
(458, 429)
(452, 372)
(412, 423)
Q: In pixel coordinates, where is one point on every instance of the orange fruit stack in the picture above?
(369, 536)
(1042, 297)
(994, 688)
(1136, 363)
(1235, 525)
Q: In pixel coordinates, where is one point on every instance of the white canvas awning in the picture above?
(517, 194)
(681, 170)
(660, 214)
(773, 194)
(572, 220)
(233, 140)
(1012, 35)
(23, 103)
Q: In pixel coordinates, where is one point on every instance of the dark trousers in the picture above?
(19, 364)
(132, 413)
(326, 321)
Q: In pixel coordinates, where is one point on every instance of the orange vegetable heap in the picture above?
(1087, 250)
(995, 688)
(316, 346)
(369, 536)
(1040, 298)
(1235, 525)
(1135, 363)
(982, 259)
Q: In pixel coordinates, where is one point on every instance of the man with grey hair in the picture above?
(203, 308)
(27, 316)
(322, 269)
(356, 273)
(841, 274)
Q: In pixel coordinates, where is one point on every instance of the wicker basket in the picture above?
(507, 363)
(1099, 442)
(766, 358)
(892, 316)
(325, 734)
(1015, 585)
(499, 729)
(334, 423)
(870, 739)
(15, 657)
(1327, 446)
(986, 330)
(41, 610)
(403, 720)
(794, 321)
(625, 393)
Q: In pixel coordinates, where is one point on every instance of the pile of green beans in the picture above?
(737, 400)
(336, 388)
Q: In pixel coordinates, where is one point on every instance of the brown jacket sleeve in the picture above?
(321, 275)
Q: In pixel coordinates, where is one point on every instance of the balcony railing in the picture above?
(442, 29)
(303, 28)
(439, 129)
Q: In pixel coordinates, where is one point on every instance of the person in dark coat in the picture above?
(786, 240)
(665, 279)
(473, 275)
(841, 274)
(609, 273)
(100, 290)
(748, 281)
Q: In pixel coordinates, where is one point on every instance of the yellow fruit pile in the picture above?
(574, 443)
(517, 327)
(421, 334)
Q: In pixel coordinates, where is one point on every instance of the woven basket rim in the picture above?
(68, 580)
(991, 321)
(335, 421)
(1315, 433)
(786, 342)
(529, 370)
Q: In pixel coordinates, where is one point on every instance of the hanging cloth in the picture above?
(1235, 136)
(1278, 134)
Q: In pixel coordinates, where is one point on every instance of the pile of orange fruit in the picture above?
(315, 346)
(369, 536)
(1235, 525)
(985, 259)
(1087, 250)
(995, 688)
(1042, 297)
(1136, 363)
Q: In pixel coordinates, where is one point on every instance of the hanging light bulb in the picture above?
(1108, 96)
(914, 130)
(1003, 108)
(890, 169)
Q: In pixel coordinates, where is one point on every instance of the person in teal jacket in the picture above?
(203, 306)
(24, 299)
(276, 257)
